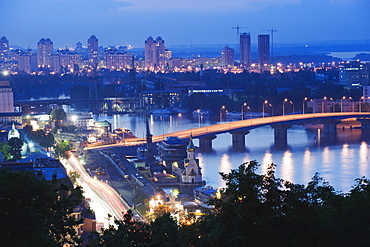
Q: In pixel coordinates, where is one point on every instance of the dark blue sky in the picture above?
(181, 22)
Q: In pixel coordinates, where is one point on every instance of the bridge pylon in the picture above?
(330, 125)
(238, 137)
(205, 143)
(280, 134)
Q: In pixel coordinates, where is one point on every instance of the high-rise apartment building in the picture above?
(159, 58)
(6, 97)
(69, 59)
(264, 51)
(92, 51)
(149, 52)
(44, 50)
(245, 50)
(27, 62)
(228, 57)
(4, 49)
(155, 53)
(116, 60)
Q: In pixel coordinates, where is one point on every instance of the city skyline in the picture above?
(119, 22)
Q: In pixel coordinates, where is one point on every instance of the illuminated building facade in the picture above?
(263, 51)
(4, 49)
(27, 62)
(44, 50)
(245, 50)
(155, 53)
(116, 60)
(354, 73)
(228, 57)
(92, 51)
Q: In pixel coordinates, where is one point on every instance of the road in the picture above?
(105, 199)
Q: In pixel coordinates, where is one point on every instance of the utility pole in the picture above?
(237, 37)
(272, 44)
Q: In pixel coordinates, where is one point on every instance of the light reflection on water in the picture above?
(364, 158)
(339, 159)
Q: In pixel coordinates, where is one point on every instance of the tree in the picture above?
(61, 149)
(126, 232)
(58, 115)
(15, 145)
(4, 149)
(36, 212)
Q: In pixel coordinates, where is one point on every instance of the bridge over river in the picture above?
(238, 129)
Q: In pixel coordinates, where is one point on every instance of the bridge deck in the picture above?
(246, 124)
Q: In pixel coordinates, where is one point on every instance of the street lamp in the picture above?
(221, 111)
(272, 110)
(341, 103)
(305, 98)
(291, 102)
(359, 103)
(198, 117)
(244, 105)
(263, 107)
(353, 104)
(285, 100)
(322, 105)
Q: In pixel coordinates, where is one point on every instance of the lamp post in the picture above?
(305, 98)
(272, 110)
(263, 107)
(291, 102)
(322, 105)
(198, 117)
(244, 105)
(359, 103)
(221, 111)
(341, 103)
(285, 100)
(353, 104)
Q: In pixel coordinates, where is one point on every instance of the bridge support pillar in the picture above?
(280, 134)
(205, 143)
(238, 138)
(330, 125)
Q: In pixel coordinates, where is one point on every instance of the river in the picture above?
(339, 160)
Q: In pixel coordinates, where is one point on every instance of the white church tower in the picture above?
(192, 172)
(13, 133)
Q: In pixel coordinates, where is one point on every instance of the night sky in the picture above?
(181, 22)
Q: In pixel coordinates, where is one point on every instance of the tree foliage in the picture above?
(61, 149)
(4, 149)
(36, 212)
(46, 140)
(260, 210)
(15, 149)
(58, 115)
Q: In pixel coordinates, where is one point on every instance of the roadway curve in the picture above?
(109, 199)
(246, 124)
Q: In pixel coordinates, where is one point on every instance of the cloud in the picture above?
(200, 6)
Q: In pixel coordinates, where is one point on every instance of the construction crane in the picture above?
(237, 36)
(272, 43)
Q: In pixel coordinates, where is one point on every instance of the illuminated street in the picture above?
(105, 200)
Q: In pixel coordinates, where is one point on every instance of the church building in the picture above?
(192, 172)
